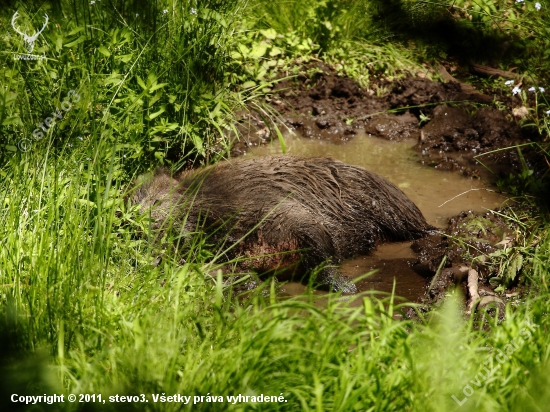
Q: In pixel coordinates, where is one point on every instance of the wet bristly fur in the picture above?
(327, 209)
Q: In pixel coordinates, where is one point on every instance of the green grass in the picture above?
(83, 308)
(81, 286)
(154, 82)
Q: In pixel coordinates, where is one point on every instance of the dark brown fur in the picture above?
(327, 209)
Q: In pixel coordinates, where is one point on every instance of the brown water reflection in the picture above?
(439, 195)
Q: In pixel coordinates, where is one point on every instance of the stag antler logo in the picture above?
(29, 40)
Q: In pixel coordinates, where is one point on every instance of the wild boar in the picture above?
(285, 212)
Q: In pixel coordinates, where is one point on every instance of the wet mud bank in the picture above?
(475, 244)
(450, 131)
(453, 128)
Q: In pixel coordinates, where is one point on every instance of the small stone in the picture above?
(520, 112)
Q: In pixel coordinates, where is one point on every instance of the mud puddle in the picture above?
(390, 261)
(439, 195)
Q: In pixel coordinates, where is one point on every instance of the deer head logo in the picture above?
(29, 40)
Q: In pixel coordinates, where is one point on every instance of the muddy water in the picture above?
(439, 195)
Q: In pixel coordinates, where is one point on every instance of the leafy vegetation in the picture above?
(85, 310)
(151, 83)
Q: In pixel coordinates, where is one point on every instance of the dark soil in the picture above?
(477, 241)
(456, 127)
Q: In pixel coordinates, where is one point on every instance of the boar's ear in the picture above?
(162, 171)
(140, 188)
(149, 176)
(137, 188)
(143, 179)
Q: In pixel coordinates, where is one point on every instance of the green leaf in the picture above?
(275, 51)
(141, 83)
(258, 50)
(243, 49)
(58, 43)
(154, 99)
(216, 111)
(11, 120)
(104, 51)
(198, 144)
(514, 267)
(86, 202)
(156, 114)
(76, 30)
(281, 138)
(77, 41)
(495, 281)
(114, 78)
(261, 74)
(248, 84)
(157, 86)
(270, 34)
(124, 57)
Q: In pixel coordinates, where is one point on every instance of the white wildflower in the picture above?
(541, 89)
(548, 112)
(193, 11)
(537, 6)
(516, 90)
(92, 2)
(165, 11)
(531, 89)
(508, 82)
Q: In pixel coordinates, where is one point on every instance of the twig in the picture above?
(464, 87)
(463, 193)
(491, 71)
(473, 289)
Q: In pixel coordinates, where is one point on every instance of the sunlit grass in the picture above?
(85, 310)
(83, 287)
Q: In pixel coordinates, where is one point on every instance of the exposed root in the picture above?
(477, 302)
(464, 87)
(491, 71)
(486, 300)
(473, 290)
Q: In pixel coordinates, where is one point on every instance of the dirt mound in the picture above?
(471, 241)
(452, 127)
